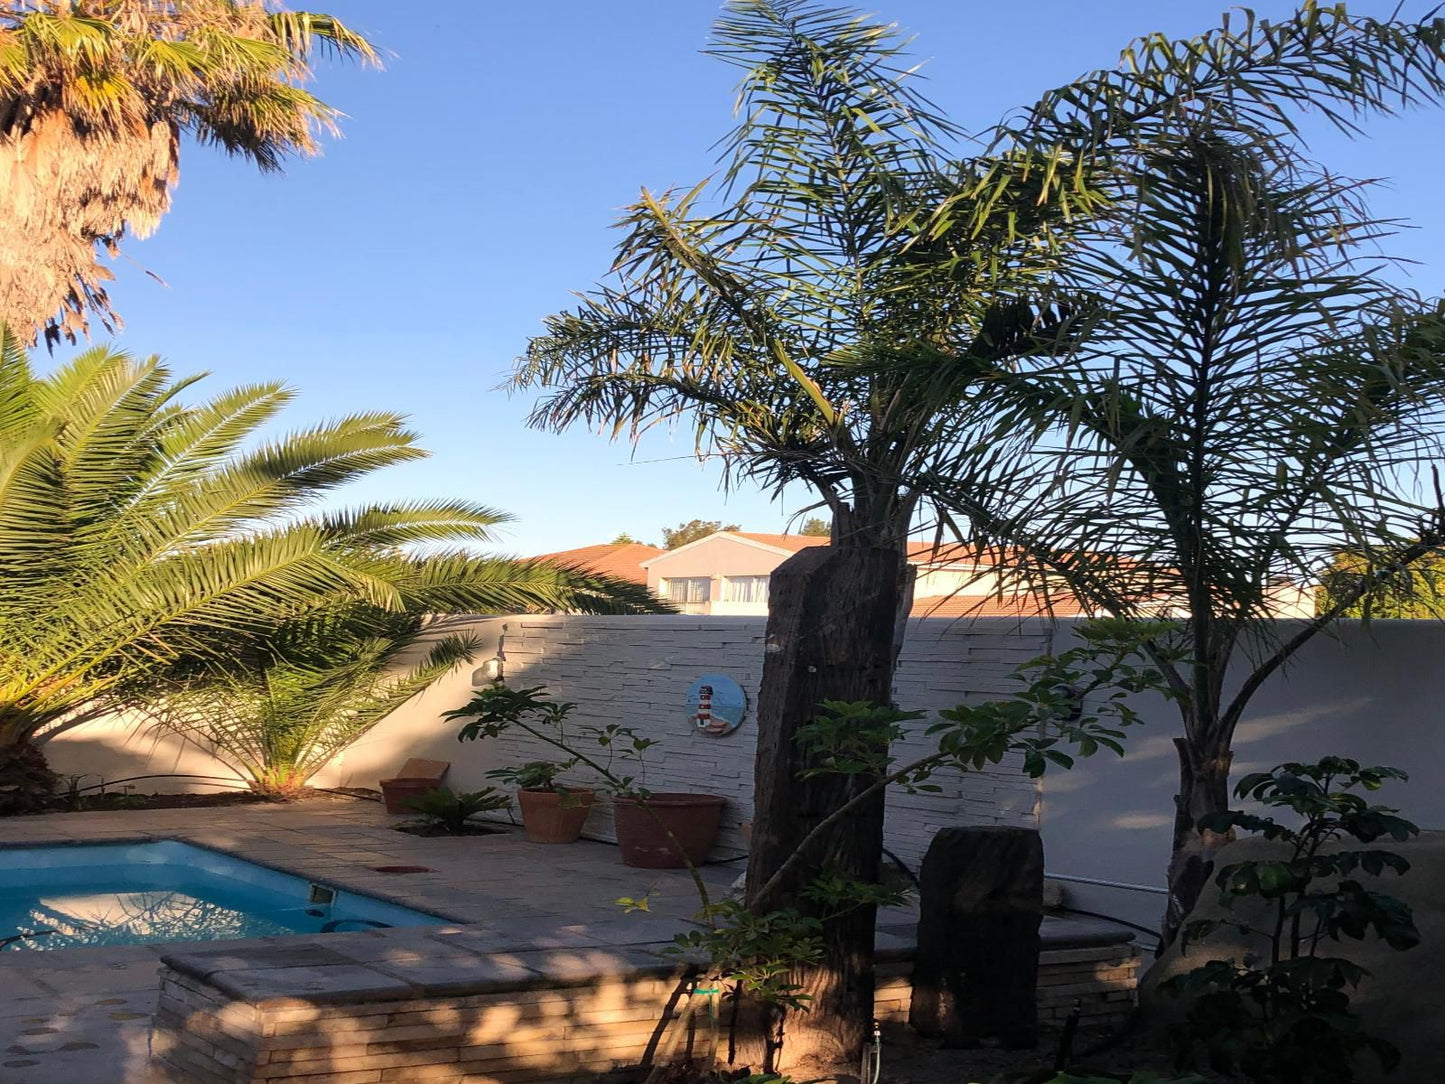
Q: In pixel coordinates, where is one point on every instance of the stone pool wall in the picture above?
(512, 1030)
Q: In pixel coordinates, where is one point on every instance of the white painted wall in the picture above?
(637, 670)
(1370, 693)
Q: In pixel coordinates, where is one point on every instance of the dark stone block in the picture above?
(981, 899)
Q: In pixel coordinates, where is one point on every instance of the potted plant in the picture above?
(654, 830)
(551, 812)
(666, 830)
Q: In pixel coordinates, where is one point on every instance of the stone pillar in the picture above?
(980, 907)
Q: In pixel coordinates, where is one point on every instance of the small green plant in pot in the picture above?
(552, 812)
(448, 813)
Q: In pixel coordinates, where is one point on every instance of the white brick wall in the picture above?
(637, 671)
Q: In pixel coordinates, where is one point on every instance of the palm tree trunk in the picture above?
(830, 636)
(26, 780)
(1203, 788)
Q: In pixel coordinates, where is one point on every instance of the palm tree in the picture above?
(829, 313)
(141, 536)
(95, 97)
(1244, 397)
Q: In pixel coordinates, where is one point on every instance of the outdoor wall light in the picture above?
(489, 673)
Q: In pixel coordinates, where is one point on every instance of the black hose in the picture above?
(902, 866)
(1116, 921)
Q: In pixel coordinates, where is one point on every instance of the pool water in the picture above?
(142, 893)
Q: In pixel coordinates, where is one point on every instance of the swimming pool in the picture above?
(82, 895)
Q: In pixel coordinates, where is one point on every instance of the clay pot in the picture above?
(548, 818)
(397, 792)
(693, 819)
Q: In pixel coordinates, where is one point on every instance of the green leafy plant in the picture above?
(756, 952)
(498, 708)
(535, 774)
(1283, 1016)
(451, 812)
(282, 722)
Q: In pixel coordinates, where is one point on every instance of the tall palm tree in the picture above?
(95, 97)
(140, 535)
(1243, 397)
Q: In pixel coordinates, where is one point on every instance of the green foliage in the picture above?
(450, 812)
(496, 709)
(99, 97)
(1077, 699)
(692, 531)
(534, 774)
(757, 954)
(816, 527)
(1284, 1018)
(1416, 591)
(281, 722)
(149, 545)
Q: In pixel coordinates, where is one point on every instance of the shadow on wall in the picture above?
(119, 747)
(1368, 693)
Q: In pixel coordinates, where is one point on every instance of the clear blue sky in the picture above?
(473, 192)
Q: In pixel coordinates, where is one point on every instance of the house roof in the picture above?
(621, 560)
(790, 542)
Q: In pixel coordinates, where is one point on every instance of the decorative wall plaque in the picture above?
(716, 705)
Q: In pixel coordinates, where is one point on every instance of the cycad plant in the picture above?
(95, 98)
(142, 537)
(279, 718)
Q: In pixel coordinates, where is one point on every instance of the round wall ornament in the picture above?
(716, 705)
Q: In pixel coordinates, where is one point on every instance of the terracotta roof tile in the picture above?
(621, 560)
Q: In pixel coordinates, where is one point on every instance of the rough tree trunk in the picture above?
(1203, 788)
(26, 780)
(830, 636)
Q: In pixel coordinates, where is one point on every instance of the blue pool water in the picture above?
(142, 893)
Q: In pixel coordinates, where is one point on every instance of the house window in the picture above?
(688, 589)
(747, 589)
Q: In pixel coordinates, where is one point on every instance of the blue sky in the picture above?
(474, 189)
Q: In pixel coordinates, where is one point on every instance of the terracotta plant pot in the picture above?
(547, 818)
(693, 819)
(396, 792)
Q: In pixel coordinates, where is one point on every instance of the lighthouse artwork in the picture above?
(716, 705)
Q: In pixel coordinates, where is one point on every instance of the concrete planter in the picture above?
(548, 818)
(693, 819)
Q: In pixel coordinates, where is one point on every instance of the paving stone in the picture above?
(443, 975)
(343, 982)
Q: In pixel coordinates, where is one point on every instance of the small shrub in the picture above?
(450, 811)
(1284, 1018)
(534, 775)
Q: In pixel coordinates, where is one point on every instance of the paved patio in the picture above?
(82, 1016)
